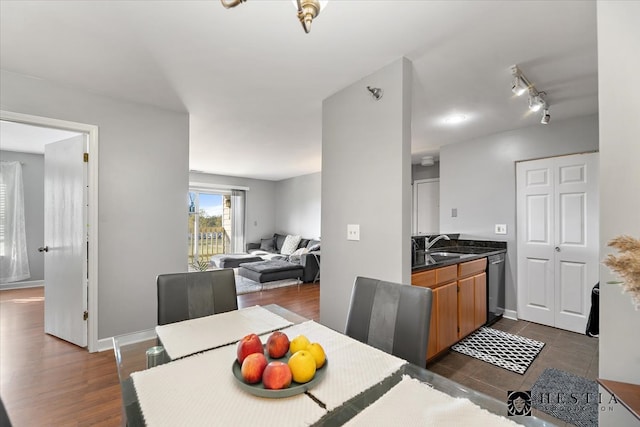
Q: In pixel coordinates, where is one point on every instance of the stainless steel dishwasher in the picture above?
(495, 288)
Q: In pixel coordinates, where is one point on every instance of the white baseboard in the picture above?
(20, 285)
(510, 314)
(105, 344)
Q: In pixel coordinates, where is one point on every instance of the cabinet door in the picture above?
(466, 306)
(480, 296)
(447, 325)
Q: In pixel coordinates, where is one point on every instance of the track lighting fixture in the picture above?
(376, 92)
(537, 99)
(307, 10)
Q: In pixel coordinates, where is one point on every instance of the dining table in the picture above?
(183, 373)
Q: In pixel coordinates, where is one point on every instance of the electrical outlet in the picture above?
(454, 212)
(501, 229)
(353, 231)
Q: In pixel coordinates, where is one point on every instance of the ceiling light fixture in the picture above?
(537, 99)
(427, 161)
(376, 92)
(307, 10)
(454, 119)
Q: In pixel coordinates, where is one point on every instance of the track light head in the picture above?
(519, 84)
(536, 101)
(546, 117)
(518, 87)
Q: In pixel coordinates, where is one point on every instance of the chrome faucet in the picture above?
(429, 243)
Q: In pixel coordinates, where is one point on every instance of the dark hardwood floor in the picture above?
(45, 381)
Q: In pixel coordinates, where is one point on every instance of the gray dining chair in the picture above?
(391, 317)
(183, 296)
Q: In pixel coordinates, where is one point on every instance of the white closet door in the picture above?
(557, 208)
(577, 239)
(536, 293)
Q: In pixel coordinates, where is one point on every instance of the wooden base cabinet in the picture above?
(459, 304)
(472, 304)
(446, 312)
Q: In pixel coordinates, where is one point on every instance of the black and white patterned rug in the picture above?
(566, 396)
(508, 351)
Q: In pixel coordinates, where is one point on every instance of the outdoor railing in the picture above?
(209, 241)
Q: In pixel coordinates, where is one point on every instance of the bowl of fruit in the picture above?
(279, 368)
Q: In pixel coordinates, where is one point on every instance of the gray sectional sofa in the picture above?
(304, 255)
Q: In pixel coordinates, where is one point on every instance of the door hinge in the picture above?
(85, 157)
(85, 315)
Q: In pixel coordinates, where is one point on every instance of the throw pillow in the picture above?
(290, 244)
(297, 254)
(267, 245)
(315, 247)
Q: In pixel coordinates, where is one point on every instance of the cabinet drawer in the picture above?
(470, 268)
(446, 274)
(426, 279)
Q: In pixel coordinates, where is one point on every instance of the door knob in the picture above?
(43, 249)
(557, 249)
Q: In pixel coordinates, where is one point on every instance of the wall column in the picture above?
(366, 180)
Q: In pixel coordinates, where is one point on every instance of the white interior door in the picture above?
(557, 216)
(426, 203)
(65, 240)
(577, 239)
(535, 207)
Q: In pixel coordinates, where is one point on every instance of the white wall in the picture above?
(366, 180)
(261, 220)
(425, 172)
(143, 180)
(619, 105)
(33, 184)
(478, 179)
(298, 205)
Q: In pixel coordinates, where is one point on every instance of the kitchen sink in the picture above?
(448, 254)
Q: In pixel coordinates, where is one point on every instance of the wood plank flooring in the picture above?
(45, 381)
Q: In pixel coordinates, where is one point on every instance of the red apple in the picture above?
(249, 345)
(277, 344)
(276, 375)
(253, 367)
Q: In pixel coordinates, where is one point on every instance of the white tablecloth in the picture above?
(201, 390)
(352, 366)
(192, 336)
(413, 403)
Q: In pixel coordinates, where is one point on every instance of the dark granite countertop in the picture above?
(469, 249)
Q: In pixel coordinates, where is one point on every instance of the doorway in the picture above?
(426, 206)
(209, 226)
(558, 239)
(91, 260)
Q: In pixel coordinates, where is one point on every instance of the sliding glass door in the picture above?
(216, 225)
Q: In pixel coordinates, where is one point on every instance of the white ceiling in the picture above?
(253, 82)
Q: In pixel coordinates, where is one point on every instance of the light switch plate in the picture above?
(353, 231)
(501, 229)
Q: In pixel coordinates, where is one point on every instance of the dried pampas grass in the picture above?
(627, 265)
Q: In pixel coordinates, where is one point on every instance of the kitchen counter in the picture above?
(469, 250)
